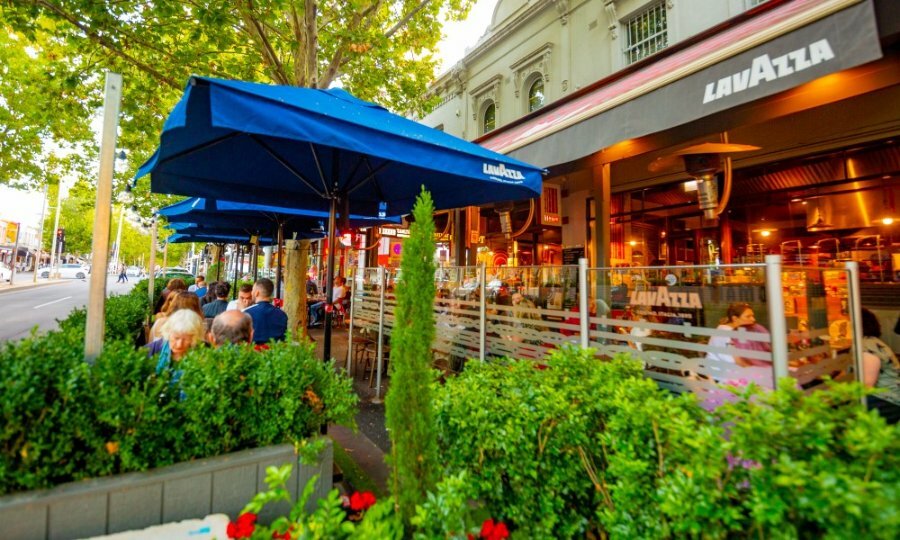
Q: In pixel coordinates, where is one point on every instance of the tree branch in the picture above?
(107, 44)
(406, 18)
(256, 31)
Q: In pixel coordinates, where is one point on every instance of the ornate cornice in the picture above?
(612, 18)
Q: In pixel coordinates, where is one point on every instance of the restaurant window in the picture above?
(536, 95)
(646, 33)
(489, 118)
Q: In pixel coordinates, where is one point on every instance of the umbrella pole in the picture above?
(237, 265)
(329, 280)
(278, 276)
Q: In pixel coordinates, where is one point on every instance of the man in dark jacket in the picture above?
(269, 322)
(219, 305)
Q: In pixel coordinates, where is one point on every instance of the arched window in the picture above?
(536, 95)
(489, 118)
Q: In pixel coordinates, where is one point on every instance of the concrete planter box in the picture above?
(194, 489)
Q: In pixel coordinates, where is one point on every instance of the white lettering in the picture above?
(765, 69)
(820, 51)
(662, 297)
(784, 69)
(740, 80)
(761, 70)
(502, 171)
(799, 59)
(723, 88)
(709, 94)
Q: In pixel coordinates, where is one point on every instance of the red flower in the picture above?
(360, 501)
(493, 531)
(286, 535)
(243, 527)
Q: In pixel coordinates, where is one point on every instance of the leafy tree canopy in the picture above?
(53, 53)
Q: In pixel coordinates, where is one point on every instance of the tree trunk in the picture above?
(297, 252)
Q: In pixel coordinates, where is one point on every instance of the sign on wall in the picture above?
(550, 205)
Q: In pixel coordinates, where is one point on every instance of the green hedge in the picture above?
(589, 447)
(64, 420)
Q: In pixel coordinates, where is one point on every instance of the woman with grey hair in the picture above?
(182, 330)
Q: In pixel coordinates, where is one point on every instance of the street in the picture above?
(41, 307)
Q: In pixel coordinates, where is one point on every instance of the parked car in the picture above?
(68, 271)
(171, 272)
(134, 271)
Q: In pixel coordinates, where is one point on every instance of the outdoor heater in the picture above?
(702, 162)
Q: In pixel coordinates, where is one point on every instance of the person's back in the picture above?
(231, 328)
(220, 304)
(269, 322)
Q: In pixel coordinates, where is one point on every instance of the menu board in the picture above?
(572, 254)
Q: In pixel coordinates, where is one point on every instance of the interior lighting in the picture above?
(765, 233)
(690, 185)
(887, 220)
(632, 243)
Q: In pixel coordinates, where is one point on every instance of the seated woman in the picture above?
(881, 369)
(739, 317)
(182, 330)
(177, 300)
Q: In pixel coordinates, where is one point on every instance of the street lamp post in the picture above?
(125, 199)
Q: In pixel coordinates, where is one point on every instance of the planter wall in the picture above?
(194, 489)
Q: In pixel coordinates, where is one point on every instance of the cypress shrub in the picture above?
(408, 405)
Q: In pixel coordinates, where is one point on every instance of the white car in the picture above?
(70, 271)
(134, 271)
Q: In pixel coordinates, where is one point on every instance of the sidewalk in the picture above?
(370, 443)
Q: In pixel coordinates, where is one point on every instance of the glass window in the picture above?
(646, 33)
(536, 95)
(754, 3)
(489, 118)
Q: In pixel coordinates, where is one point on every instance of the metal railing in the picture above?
(669, 318)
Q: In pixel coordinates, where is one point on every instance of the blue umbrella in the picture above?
(321, 150)
(258, 218)
(208, 238)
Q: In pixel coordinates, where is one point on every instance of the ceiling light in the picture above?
(887, 220)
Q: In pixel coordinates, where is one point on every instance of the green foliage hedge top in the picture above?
(64, 420)
(588, 446)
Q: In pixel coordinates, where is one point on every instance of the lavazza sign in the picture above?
(502, 173)
(765, 69)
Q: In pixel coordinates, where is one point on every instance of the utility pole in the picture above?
(40, 249)
(96, 306)
(54, 258)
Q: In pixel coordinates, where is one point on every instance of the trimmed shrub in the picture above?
(64, 420)
(590, 447)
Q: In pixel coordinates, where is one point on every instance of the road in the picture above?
(24, 309)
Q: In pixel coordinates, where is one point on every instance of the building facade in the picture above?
(688, 132)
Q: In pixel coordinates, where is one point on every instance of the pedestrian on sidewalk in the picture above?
(123, 275)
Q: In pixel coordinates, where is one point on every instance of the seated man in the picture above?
(317, 310)
(231, 327)
(244, 298)
(269, 322)
(219, 305)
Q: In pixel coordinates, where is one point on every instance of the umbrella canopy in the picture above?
(236, 230)
(218, 213)
(208, 238)
(302, 147)
(321, 150)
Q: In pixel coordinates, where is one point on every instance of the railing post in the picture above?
(777, 321)
(584, 313)
(349, 313)
(482, 314)
(854, 305)
(382, 274)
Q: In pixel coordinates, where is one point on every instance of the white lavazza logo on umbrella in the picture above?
(500, 171)
(765, 69)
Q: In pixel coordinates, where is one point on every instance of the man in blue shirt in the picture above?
(269, 322)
